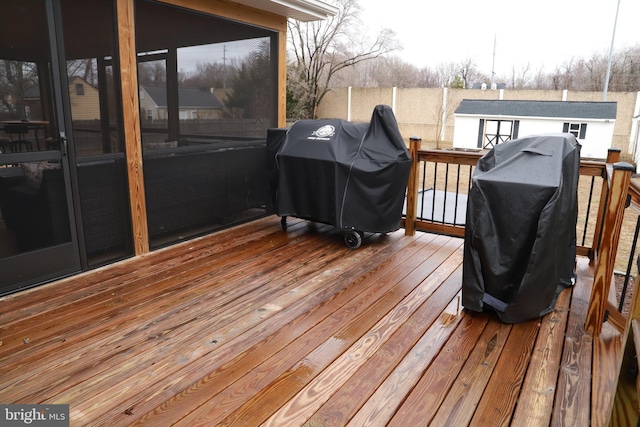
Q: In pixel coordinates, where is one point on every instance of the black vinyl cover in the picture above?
(352, 176)
(520, 235)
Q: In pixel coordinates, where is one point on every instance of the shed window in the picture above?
(79, 89)
(579, 130)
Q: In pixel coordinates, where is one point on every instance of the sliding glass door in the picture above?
(63, 179)
(38, 240)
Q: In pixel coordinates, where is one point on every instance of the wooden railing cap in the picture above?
(623, 166)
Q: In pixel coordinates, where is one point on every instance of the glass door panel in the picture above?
(95, 128)
(208, 94)
(37, 227)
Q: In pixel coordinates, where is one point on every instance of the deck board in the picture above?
(257, 326)
(383, 382)
(504, 388)
(573, 391)
(462, 398)
(427, 295)
(535, 402)
(442, 361)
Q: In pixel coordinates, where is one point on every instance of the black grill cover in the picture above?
(520, 235)
(352, 176)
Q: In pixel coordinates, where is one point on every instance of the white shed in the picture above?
(485, 123)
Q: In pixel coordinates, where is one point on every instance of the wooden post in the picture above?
(412, 188)
(131, 114)
(613, 155)
(608, 245)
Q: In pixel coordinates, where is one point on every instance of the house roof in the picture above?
(486, 86)
(33, 92)
(190, 97)
(302, 10)
(554, 109)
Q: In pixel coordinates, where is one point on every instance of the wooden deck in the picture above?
(256, 326)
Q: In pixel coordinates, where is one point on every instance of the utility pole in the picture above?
(613, 36)
(224, 66)
(493, 64)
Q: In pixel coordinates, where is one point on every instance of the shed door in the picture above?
(498, 131)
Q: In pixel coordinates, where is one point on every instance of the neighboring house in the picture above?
(83, 96)
(85, 99)
(485, 123)
(484, 86)
(195, 103)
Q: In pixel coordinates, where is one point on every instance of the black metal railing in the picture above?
(441, 180)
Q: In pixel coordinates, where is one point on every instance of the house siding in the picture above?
(87, 106)
(595, 145)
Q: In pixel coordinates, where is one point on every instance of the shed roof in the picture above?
(557, 109)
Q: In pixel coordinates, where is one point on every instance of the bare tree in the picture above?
(322, 48)
(388, 72)
(447, 73)
(16, 77)
(210, 75)
(469, 72)
(427, 77)
(625, 70)
(152, 72)
(85, 68)
(563, 76)
(443, 112)
(520, 77)
(588, 74)
(575, 74)
(541, 80)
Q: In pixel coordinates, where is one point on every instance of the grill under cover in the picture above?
(349, 175)
(520, 234)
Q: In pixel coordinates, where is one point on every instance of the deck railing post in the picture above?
(609, 237)
(412, 188)
(613, 155)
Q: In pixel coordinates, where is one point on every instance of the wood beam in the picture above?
(235, 11)
(131, 115)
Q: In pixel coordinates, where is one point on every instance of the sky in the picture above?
(542, 33)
